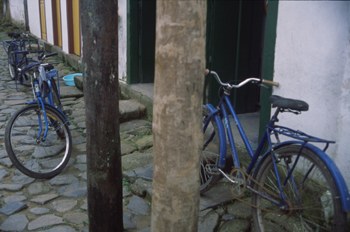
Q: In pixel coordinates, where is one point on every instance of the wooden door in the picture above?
(235, 34)
(56, 22)
(43, 19)
(76, 26)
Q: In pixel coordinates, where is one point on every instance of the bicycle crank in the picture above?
(238, 185)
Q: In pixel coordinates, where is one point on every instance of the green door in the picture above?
(234, 49)
(141, 41)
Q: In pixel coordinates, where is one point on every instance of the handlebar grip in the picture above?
(267, 82)
(207, 71)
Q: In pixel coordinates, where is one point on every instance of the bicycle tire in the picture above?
(210, 155)
(41, 160)
(11, 68)
(317, 209)
(55, 97)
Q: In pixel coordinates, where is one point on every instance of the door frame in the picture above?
(268, 63)
(43, 27)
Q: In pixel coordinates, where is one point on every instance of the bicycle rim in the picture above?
(210, 155)
(312, 196)
(11, 69)
(37, 158)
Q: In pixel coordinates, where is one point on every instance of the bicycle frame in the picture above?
(40, 101)
(18, 45)
(270, 129)
(225, 101)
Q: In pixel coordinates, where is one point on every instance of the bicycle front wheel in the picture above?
(32, 156)
(312, 198)
(210, 154)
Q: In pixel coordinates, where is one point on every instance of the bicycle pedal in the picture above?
(212, 170)
(67, 112)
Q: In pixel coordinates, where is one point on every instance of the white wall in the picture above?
(34, 18)
(312, 63)
(122, 37)
(64, 25)
(49, 23)
(17, 11)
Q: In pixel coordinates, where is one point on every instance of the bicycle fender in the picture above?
(60, 112)
(222, 136)
(338, 178)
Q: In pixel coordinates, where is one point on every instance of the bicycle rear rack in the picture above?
(296, 134)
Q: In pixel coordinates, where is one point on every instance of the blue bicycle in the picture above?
(20, 42)
(295, 186)
(37, 136)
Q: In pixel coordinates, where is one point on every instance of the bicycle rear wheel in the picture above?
(21, 65)
(311, 195)
(210, 154)
(37, 158)
(11, 68)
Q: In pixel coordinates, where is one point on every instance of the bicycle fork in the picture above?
(40, 101)
(39, 119)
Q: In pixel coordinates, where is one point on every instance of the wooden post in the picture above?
(177, 112)
(99, 23)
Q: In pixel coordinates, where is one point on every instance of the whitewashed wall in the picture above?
(122, 37)
(64, 25)
(48, 17)
(34, 18)
(312, 63)
(17, 11)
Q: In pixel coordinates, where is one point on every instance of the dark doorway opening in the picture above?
(141, 41)
(235, 35)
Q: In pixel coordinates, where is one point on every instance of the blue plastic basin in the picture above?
(69, 79)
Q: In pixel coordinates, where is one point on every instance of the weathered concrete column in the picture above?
(177, 110)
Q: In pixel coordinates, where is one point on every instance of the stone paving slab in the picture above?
(70, 91)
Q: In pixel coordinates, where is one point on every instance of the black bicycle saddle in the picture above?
(287, 103)
(14, 35)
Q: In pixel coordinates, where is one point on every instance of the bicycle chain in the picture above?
(254, 206)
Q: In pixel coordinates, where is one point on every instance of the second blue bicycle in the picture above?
(294, 186)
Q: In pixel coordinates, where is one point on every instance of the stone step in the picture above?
(128, 109)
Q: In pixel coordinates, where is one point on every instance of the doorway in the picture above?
(235, 35)
(141, 41)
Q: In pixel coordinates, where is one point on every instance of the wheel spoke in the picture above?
(310, 194)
